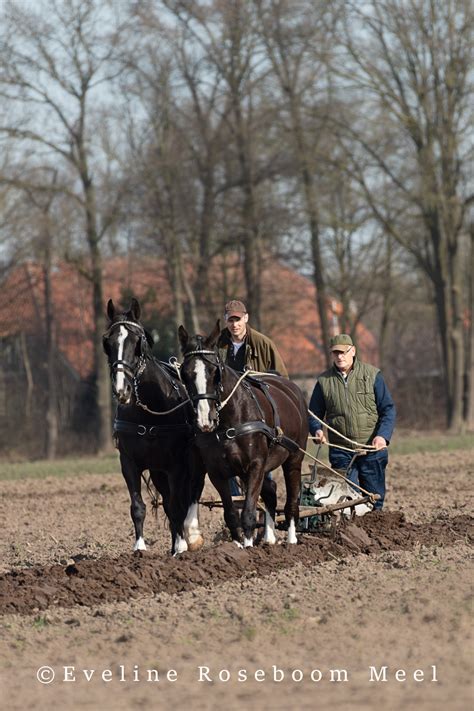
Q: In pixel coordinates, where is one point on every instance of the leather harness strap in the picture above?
(150, 431)
(265, 389)
(275, 435)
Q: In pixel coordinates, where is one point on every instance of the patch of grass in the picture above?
(60, 467)
(426, 442)
(403, 443)
(290, 613)
(249, 633)
(412, 442)
(40, 622)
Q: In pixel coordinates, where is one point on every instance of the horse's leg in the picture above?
(160, 482)
(292, 471)
(269, 497)
(132, 475)
(174, 512)
(249, 512)
(191, 522)
(177, 510)
(231, 517)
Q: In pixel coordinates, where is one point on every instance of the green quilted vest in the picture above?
(350, 404)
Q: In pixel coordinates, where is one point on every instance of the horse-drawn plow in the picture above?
(315, 516)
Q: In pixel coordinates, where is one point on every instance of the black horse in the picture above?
(153, 429)
(263, 425)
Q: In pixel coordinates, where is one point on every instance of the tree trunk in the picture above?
(51, 443)
(174, 276)
(29, 377)
(188, 290)
(313, 223)
(102, 378)
(101, 375)
(386, 305)
(469, 350)
(203, 295)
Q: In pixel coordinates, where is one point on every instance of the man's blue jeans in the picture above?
(234, 487)
(368, 470)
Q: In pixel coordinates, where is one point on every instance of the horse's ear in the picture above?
(135, 309)
(212, 338)
(110, 309)
(149, 338)
(183, 337)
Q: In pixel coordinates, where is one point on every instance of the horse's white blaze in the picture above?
(191, 524)
(139, 545)
(292, 532)
(203, 409)
(248, 542)
(269, 536)
(180, 545)
(120, 379)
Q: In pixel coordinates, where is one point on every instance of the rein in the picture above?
(279, 437)
(359, 447)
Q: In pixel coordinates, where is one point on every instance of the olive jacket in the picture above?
(261, 353)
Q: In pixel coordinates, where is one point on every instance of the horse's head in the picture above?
(201, 372)
(125, 344)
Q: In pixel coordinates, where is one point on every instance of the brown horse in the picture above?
(263, 425)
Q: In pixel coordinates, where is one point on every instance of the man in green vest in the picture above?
(353, 399)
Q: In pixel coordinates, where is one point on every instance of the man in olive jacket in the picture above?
(244, 348)
(352, 398)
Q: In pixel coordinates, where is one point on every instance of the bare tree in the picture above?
(408, 66)
(226, 34)
(299, 53)
(57, 67)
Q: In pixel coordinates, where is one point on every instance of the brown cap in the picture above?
(341, 342)
(235, 308)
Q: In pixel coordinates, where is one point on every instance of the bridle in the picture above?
(132, 373)
(202, 353)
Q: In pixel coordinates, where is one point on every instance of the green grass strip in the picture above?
(60, 468)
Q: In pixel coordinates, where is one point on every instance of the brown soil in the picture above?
(389, 590)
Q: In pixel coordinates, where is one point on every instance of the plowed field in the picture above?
(375, 617)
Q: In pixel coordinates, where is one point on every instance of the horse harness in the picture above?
(151, 431)
(133, 373)
(274, 434)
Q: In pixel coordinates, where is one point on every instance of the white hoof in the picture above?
(195, 542)
(238, 544)
(269, 536)
(180, 546)
(139, 545)
(191, 528)
(248, 543)
(291, 538)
